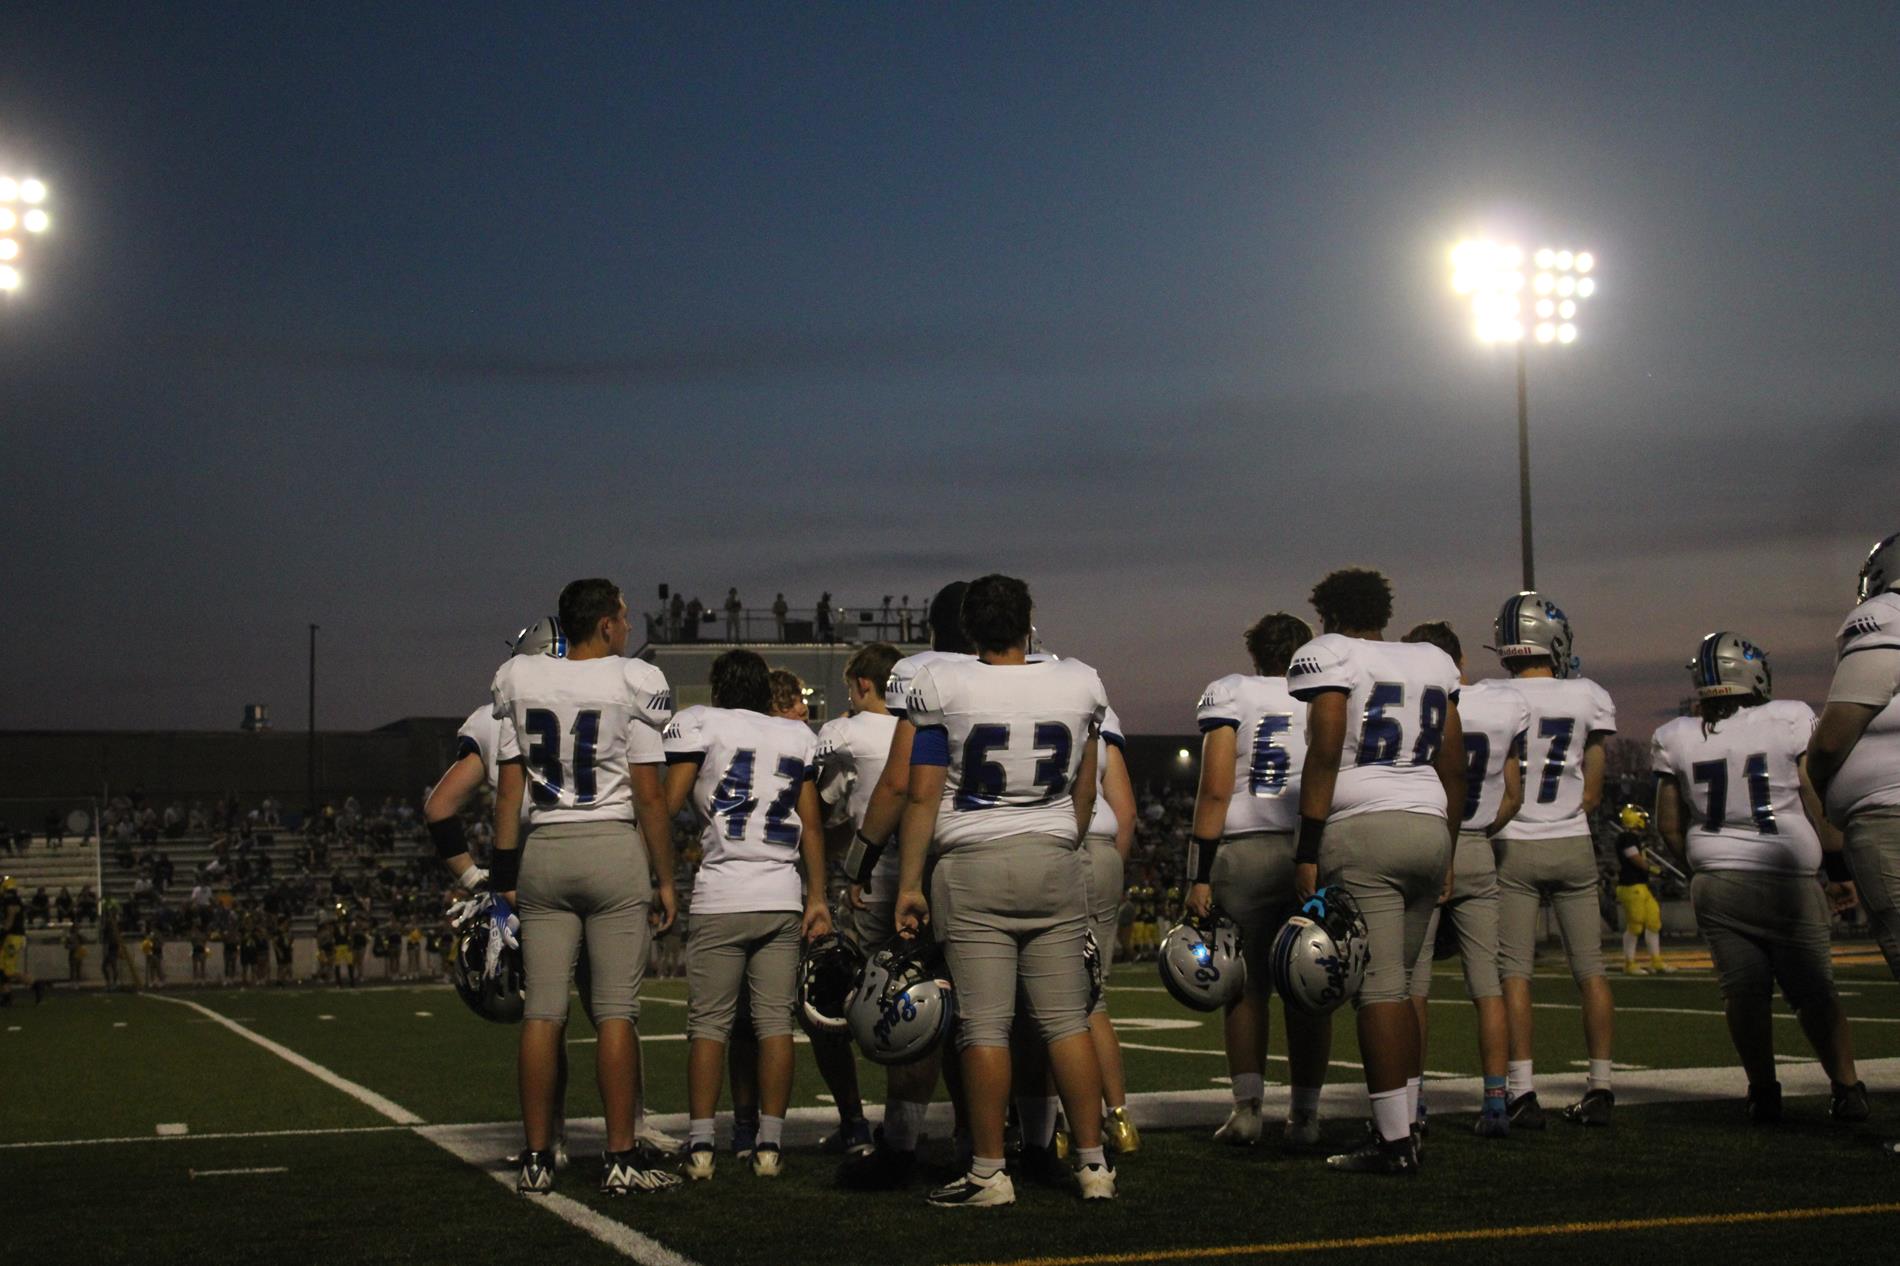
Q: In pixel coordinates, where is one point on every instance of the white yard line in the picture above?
(199, 1138)
(1623, 1010)
(220, 1173)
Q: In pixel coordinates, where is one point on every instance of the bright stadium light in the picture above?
(36, 221)
(1488, 276)
(9, 249)
(32, 191)
(21, 207)
(9, 189)
(9, 278)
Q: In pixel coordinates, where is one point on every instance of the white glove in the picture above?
(503, 932)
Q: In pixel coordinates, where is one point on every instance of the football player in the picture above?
(1493, 717)
(851, 752)
(1384, 761)
(1107, 841)
(749, 777)
(477, 756)
(1546, 850)
(1253, 744)
(1754, 836)
(580, 740)
(1642, 915)
(891, 1162)
(1002, 781)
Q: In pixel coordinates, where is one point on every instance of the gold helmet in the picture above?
(7, 884)
(1634, 817)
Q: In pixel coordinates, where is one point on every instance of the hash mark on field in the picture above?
(1620, 1068)
(326, 1017)
(219, 1173)
(425, 1014)
(13, 1028)
(173, 1129)
(118, 1024)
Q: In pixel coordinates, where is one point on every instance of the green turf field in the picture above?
(368, 1126)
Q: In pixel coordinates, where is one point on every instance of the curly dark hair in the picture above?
(1439, 634)
(996, 612)
(741, 679)
(1356, 598)
(1273, 639)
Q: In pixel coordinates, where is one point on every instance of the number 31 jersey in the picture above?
(578, 724)
(1011, 737)
(1398, 697)
(1565, 712)
(1269, 749)
(751, 770)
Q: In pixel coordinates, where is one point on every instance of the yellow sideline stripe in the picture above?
(1455, 1237)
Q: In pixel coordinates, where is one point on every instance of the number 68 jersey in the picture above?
(1398, 698)
(1011, 737)
(577, 724)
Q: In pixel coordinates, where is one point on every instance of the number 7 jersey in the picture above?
(1011, 738)
(577, 724)
(1565, 712)
(1398, 698)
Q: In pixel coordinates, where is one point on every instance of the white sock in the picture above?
(1629, 944)
(984, 1167)
(1249, 1086)
(699, 1130)
(1092, 1156)
(903, 1123)
(1599, 1075)
(1517, 1077)
(1411, 1098)
(1389, 1115)
(1305, 1102)
(1653, 939)
(1038, 1117)
(771, 1130)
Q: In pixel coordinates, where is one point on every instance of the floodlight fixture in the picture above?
(36, 221)
(9, 249)
(9, 277)
(32, 191)
(22, 200)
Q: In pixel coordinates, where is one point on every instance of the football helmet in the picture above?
(1319, 958)
(1531, 624)
(1881, 571)
(828, 971)
(904, 1002)
(1727, 665)
(1634, 817)
(1200, 963)
(543, 637)
(1098, 975)
(496, 997)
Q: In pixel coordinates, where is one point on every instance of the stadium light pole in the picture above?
(1522, 301)
(23, 217)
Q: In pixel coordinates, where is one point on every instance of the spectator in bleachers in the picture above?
(55, 828)
(153, 946)
(40, 907)
(200, 952)
(780, 609)
(63, 905)
(734, 608)
(821, 628)
(690, 632)
(86, 907)
(75, 954)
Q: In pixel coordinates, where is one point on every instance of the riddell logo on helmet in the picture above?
(898, 1008)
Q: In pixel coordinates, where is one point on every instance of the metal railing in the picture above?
(883, 621)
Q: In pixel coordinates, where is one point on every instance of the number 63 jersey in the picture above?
(577, 724)
(1398, 698)
(1011, 738)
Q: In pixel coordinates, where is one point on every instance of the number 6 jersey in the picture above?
(578, 724)
(1269, 749)
(1398, 697)
(751, 770)
(1011, 737)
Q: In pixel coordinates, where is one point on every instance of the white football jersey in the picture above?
(1565, 712)
(1399, 695)
(1011, 737)
(1742, 788)
(1269, 749)
(1870, 777)
(480, 735)
(1494, 717)
(1102, 820)
(578, 724)
(751, 770)
(852, 751)
(897, 688)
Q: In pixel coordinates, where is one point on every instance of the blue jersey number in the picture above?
(733, 800)
(984, 781)
(1559, 730)
(544, 756)
(1052, 772)
(1713, 774)
(1432, 708)
(1477, 761)
(1266, 773)
(1381, 736)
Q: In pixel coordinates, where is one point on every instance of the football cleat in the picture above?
(878, 1168)
(1420, 1127)
(1492, 1125)
(699, 1163)
(851, 1138)
(1632, 968)
(1525, 1112)
(1097, 1182)
(560, 1156)
(745, 1136)
(1763, 1105)
(1120, 1133)
(1059, 1142)
(1301, 1134)
(628, 1172)
(537, 1174)
(1242, 1128)
(1847, 1103)
(1378, 1156)
(971, 1192)
(766, 1161)
(1660, 967)
(657, 1143)
(1592, 1109)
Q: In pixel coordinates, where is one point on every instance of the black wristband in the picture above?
(449, 837)
(504, 873)
(861, 858)
(1306, 851)
(1835, 866)
(1201, 858)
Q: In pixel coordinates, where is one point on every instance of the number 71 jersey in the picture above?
(577, 724)
(1011, 737)
(1398, 698)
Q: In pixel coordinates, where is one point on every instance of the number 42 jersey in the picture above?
(1011, 737)
(1398, 698)
(578, 724)
(751, 770)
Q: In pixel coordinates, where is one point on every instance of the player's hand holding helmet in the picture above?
(487, 972)
(1320, 956)
(904, 1003)
(1200, 961)
(828, 970)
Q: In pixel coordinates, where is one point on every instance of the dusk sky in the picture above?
(396, 317)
